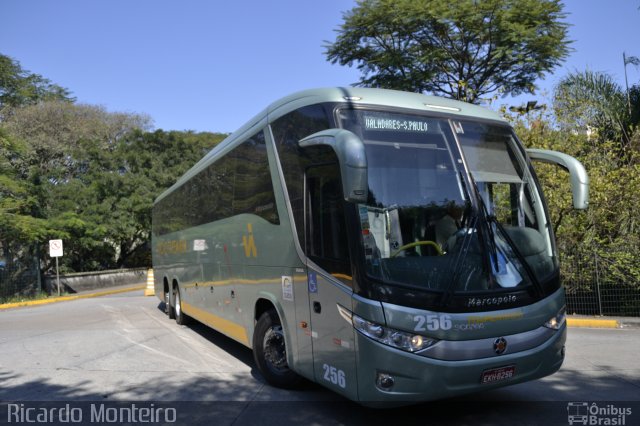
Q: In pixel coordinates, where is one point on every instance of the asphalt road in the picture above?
(121, 349)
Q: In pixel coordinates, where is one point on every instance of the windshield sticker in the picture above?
(505, 272)
(367, 237)
(364, 217)
(380, 123)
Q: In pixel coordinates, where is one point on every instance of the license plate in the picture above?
(498, 374)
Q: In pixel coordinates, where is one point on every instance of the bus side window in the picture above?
(326, 237)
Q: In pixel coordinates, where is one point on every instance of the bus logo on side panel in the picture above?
(249, 243)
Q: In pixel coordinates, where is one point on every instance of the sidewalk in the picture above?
(80, 295)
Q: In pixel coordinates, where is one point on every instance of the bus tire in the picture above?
(270, 354)
(180, 316)
(169, 306)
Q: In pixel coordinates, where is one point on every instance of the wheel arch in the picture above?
(265, 302)
(262, 305)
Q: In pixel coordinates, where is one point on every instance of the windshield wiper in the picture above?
(488, 239)
(518, 253)
(471, 217)
(492, 220)
(493, 248)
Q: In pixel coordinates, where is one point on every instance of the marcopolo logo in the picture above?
(594, 414)
(491, 301)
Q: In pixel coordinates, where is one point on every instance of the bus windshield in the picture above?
(452, 205)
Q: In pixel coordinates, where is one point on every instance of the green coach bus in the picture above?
(391, 246)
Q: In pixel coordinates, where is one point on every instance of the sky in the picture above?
(212, 65)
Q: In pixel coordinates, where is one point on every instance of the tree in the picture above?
(55, 152)
(20, 87)
(57, 132)
(88, 176)
(628, 60)
(603, 242)
(147, 164)
(593, 101)
(463, 49)
(17, 222)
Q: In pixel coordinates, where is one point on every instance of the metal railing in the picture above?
(597, 286)
(20, 279)
(594, 285)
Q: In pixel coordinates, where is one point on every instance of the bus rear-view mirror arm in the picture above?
(352, 159)
(577, 173)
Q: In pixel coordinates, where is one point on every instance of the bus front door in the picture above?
(329, 281)
(332, 334)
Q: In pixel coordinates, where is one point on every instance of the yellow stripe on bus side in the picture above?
(233, 281)
(231, 329)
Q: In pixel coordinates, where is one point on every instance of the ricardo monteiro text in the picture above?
(93, 413)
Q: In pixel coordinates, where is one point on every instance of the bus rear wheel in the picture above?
(169, 306)
(180, 316)
(270, 352)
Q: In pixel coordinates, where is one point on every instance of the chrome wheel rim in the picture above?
(275, 352)
(178, 307)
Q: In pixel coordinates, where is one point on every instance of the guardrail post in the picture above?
(598, 285)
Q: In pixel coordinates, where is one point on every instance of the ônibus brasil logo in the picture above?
(594, 414)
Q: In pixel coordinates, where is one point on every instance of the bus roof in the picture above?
(353, 95)
(381, 97)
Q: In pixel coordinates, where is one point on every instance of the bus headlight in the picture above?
(557, 320)
(398, 339)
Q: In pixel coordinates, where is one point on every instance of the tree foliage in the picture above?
(81, 173)
(593, 101)
(463, 49)
(88, 176)
(17, 201)
(20, 87)
(603, 242)
(595, 125)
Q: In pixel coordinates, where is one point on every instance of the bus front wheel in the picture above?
(270, 352)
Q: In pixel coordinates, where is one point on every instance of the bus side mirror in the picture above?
(352, 158)
(577, 173)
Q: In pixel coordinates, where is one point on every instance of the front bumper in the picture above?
(418, 378)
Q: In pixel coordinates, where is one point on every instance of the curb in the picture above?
(592, 323)
(72, 297)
